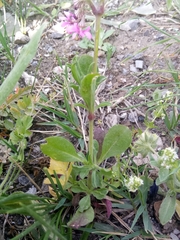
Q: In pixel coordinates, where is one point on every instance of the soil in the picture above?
(139, 43)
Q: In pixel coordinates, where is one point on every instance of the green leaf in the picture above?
(138, 214)
(147, 221)
(25, 57)
(81, 218)
(167, 208)
(84, 203)
(87, 90)
(60, 149)
(163, 175)
(95, 179)
(81, 66)
(100, 193)
(116, 141)
(169, 4)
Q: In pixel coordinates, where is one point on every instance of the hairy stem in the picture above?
(91, 114)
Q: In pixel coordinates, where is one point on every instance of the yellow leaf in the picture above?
(178, 207)
(63, 171)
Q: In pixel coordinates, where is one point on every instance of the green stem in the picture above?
(91, 113)
(96, 42)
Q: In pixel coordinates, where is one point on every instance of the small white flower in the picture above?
(133, 183)
(168, 158)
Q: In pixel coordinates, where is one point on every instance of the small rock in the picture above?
(32, 190)
(176, 231)
(173, 236)
(139, 160)
(111, 120)
(138, 56)
(133, 117)
(109, 85)
(46, 90)
(124, 71)
(159, 37)
(56, 35)
(139, 64)
(133, 68)
(23, 180)
(141, 118)
(29, 80)
(120, 57)
(147, 33)
(130, 25)
(57, 70)
(21, 38)
(34, 63)
(101, 53)
(141, 96)
(123, 115)
(134, 25)
(50, 50)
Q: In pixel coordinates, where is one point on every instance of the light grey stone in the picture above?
(130, 25)
(56, 35)
(133, 68)
(139, 64)
(111, 120)
(123, 115)
(173, 236)
(133, 117)
(138, 56)
(21, 38)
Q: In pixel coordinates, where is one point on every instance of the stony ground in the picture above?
(139, 59)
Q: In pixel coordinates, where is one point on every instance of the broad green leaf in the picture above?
(60, 149)
(87, 90)
(84, 203)
(116, 141)
(81, 218)
(81, 66)
(95, 178)
(25, 57)
(167, 208)
(100, 193)
(163, 175)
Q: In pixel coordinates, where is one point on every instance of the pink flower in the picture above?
(72, 26)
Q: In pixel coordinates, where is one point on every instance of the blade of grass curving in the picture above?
(45, 223)
(63, 126)
(160, 30)
(27, 230)
(52, 182)
(72, 117)
(138, 214)
(25, 57)
(62, 191)
(58, 113)
(4, 42)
